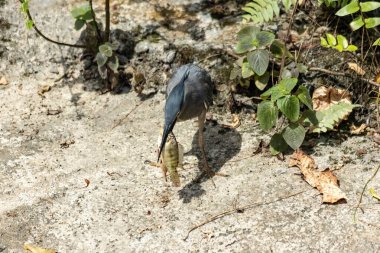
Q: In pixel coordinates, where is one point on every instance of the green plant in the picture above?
(360, 8)
(281, 99)
(85, 17)
(255, 48)
(339, 43)
(106, 58)
(260, 11)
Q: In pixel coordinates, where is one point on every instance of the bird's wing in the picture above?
(173, 108)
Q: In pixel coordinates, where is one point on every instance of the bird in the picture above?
(188, 95)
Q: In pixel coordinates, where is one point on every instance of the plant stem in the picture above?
(38, 31)
(107, 30)
(287, 38)
(95, 23)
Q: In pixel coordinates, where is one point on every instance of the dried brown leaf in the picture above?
(235, 122)
(3, 81)
(355, 67)
(325, 181)
(357, 129)
(35, 249)
(42, 89)
(87, 182)
(324, 97)
(377, 78)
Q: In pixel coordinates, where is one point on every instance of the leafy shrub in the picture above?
(339, 43)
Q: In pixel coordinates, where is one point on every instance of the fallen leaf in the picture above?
(87, 182)
(357, 130)
(325, 181)
(43, 89)
(323, 97)
(3, 81)
(355, 67)
(374, 194)
(235, 122)
(35, 249)
(377, 78)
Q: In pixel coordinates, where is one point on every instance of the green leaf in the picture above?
(310, 117)
(304, 96)
(302, 68)
(259, 61)
(262, 81)
(290, 106)
(329, 117)
(277, 144)
(377, 42)
(246, 70)
(79, 23)
(278, 49)
(371, 22)
(102, 71)
(113, 64)
(374, 194)
(244, 45)
(324, 43)
(267, 115)
(351, 48)
(25, 6)
(105, 50)
(287, 4)
(248, 32)
(349, 9)
(278, 93)
(369, 6)
(264, 38)
(81, 12)
(331, 39)
(342, 41)
(288, 84)
(357, 23)
(29, 24)
(294, 134)
(101, 59)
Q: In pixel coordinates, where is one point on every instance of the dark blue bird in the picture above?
(188, 95)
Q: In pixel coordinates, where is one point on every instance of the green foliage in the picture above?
(106, 58)
(260, 11)
(360, 8)
(329, 117)
(25, 9)
(339, 43)
(82, 16)
(377, 42)
(254, 46)
(283, 99)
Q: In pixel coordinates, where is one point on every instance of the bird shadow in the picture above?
(221, 145)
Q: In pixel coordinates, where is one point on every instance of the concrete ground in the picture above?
(51, 144)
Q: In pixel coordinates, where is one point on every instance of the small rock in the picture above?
(142, 47)
(53, 111)
(42, 89)
(3, 81)
(170, 56)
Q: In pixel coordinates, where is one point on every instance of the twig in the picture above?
(107, 29)
(364, 188)
(239, 210)
(95, 23)
(118, 123)
(47, 38)
(343, 74)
